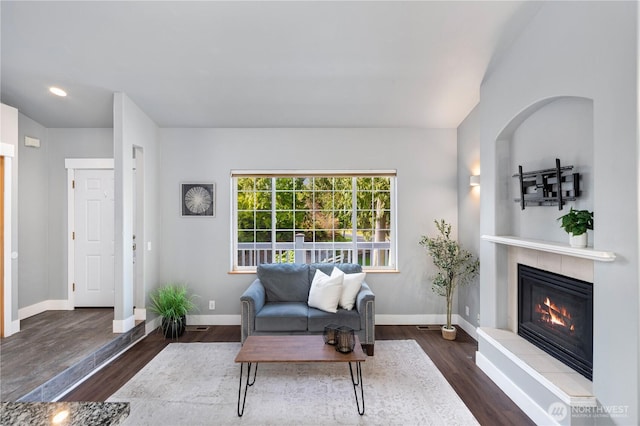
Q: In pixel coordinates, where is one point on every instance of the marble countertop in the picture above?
(63, 413)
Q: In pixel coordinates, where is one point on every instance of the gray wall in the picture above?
(63, 144)
(42, 227)
(561, 129)
(197, 250)
(469, 208)
(33, 206)
(588, 50)
(134, 129)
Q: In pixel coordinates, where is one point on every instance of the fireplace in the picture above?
(555, 313)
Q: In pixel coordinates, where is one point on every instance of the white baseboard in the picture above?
(213, 319)
(466, 326)
(45, 305)
(197, 320)
(122, 326)
(15, 327)
(380, 320)
(151, 325)
(517, 395)
(139, 314)
(456, 319)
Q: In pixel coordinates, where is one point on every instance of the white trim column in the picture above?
(123, 248)
(8, 152)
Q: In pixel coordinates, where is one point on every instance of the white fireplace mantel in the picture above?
(553, 247)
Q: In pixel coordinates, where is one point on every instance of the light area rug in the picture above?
(197, 384)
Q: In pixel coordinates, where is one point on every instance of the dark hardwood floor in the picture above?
(456, 361)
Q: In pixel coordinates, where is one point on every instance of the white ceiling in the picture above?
(254, 64)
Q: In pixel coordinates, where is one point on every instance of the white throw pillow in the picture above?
(351, 284)
(325, 292)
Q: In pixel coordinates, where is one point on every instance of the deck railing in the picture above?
(365, 253)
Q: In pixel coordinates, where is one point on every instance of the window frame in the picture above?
(388, 173)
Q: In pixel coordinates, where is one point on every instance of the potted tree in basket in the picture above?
(576, 223)
(456, 266)
(172, 302)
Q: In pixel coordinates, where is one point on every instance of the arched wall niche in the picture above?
(555, 127)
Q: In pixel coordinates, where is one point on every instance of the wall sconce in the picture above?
(474, 180)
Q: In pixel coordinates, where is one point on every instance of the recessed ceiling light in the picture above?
(57, 91)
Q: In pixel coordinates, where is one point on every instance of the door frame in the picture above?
(73, 164)
(9, 326)
(139, 288)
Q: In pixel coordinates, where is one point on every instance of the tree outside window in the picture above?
(314, 218)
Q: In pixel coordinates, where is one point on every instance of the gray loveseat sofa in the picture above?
(276, 303)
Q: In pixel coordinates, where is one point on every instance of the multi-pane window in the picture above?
(307, 217)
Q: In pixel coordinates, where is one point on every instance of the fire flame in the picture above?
(554, 314)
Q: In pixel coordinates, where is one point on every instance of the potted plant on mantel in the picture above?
(172, 302)
(456, 266)
(576, 223)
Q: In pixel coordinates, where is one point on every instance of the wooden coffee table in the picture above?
(257, 349)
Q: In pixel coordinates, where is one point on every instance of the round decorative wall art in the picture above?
(198, 199)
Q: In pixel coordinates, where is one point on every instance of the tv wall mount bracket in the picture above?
(548, 187)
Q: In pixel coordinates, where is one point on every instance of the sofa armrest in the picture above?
(251, 302)
(366, 305)
(365, 294)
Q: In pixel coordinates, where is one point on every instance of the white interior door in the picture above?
(94, 238)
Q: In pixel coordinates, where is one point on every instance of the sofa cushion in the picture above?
(282, 316)
(319, 319)
(327, 268)
(351, 284)
(285, 282)
(325, 291)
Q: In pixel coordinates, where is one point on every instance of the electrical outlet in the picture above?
(466, 310)
(478, 318)
(212, 305)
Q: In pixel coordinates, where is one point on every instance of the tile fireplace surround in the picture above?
(532, 378)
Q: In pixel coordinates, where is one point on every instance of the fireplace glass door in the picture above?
(555, 313)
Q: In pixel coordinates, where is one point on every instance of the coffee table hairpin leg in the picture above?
(248, 383)
(357, 382)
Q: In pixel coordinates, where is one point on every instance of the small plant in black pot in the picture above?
(172, 302)
(576, 223)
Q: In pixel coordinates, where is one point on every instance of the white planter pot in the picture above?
(449, 333)
(578, 240)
